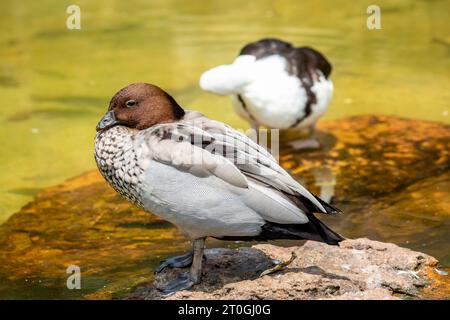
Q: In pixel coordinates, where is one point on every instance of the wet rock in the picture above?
(375, 155)
(389, 175)
(357, 269)
(392, 182)
(82, 222)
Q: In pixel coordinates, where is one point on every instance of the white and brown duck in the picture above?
(276, 85)
(203, 176)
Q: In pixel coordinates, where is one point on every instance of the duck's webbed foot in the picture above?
(182, 261)
(186, 280)
(305, 144)
(183, 281)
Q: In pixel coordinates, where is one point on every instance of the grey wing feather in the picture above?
(251, 159)
(171, 144)
(255, 161)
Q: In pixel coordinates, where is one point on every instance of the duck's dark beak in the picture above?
(108, 120)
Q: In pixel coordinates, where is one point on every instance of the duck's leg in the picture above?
(255, 131)
(186, 280)
(182, 261)
(255, 126)
(196, 267)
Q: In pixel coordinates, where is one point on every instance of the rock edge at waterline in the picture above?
(357, 269)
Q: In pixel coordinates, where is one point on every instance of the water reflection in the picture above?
(391, 181)
(118, 246)
(326, 181)
(60, 81)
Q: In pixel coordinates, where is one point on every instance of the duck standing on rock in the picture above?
(277, 85)
(201, 175)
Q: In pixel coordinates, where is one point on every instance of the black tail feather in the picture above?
(313, 230)
(307, 205)
(328, 236)
(328, 207)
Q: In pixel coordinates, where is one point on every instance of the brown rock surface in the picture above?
(383, 151)
(389, 175)
(357, 269)
(392, 182)
(81, 222)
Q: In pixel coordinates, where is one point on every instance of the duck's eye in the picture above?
(130, 103)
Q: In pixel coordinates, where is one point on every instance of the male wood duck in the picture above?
(201, 175)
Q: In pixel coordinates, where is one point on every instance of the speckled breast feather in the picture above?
(118, 162)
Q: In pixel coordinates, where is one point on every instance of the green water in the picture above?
(55, 83)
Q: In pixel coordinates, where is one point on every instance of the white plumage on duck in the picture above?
(271, 90)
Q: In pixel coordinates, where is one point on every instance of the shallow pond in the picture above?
(56, 83)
